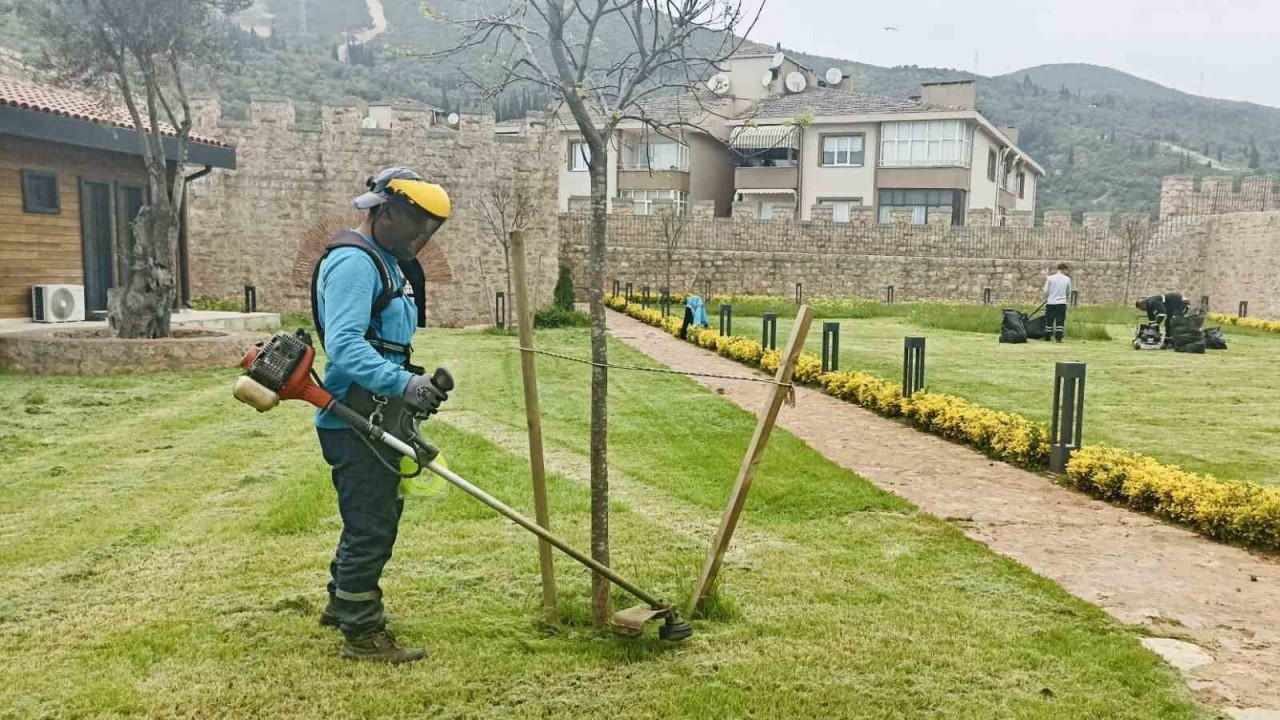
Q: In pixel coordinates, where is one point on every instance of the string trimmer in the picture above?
(281, 369)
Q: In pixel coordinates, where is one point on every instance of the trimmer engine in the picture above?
(280, 369)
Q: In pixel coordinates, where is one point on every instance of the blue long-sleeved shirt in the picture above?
(349, 284)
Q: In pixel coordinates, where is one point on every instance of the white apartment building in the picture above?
(780, 137)
(829, 146)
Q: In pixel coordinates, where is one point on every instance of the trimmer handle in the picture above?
(442, 380)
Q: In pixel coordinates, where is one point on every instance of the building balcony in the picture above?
(766, 178)
(632, 177)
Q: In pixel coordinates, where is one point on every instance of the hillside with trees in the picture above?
(1104, 137)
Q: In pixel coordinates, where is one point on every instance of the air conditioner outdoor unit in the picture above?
(57, 303)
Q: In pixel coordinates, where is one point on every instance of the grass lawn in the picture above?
(163, 552)
(1217, 413)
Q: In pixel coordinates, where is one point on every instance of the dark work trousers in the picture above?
(368, 500)
(1055, 321)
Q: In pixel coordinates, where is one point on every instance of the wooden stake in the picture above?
(751, 462)
(533, 415)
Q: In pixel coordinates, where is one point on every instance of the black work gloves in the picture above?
(424, 396)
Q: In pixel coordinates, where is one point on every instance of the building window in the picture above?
(579, 156)
(991, 165)
(658, 156)
(929, 143)
(842, 150)
(40, 192)
(643, 200)
(841, 209)
(766, 211)
(1022, 185)
(919, 202)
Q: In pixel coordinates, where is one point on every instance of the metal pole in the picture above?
(500, 311)
(986, 296)
(250, 298)
(1244, 308)
(533, 417)
(888, 294)
(1067, 428)
(1075, 298)
(912, 366)
(726, 319)
(830, 346)
(769, 331)
(799, 293)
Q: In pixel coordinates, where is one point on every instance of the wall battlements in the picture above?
(1183, 195)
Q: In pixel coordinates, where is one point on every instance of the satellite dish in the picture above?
(767, 80)
(796, 82)
(778, 59)
(453, 119)
(834, 76)
(719, 83)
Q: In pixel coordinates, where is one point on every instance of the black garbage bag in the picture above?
(1013, 328)
(1185, 325)
(1215, 339)
(1195, 346)
(1037, 327)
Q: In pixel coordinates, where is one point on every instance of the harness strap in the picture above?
(350, 238)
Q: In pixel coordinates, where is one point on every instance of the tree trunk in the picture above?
(141, 307)
(600, 605)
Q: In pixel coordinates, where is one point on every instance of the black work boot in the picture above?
(379, 646)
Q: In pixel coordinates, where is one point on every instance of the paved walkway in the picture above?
(1219, 606)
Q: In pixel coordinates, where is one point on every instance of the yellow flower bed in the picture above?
(1227, 510)
(1247, 322)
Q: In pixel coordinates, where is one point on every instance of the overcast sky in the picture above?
(1233, 44)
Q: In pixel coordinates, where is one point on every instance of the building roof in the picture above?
(27, 95)
(823, 101)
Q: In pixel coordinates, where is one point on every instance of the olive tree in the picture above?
(141, 52)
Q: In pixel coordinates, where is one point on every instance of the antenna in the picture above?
(796, 82)
(453, 119)
(776, 62)
(719, 83)
(767, 79)
(834, 76)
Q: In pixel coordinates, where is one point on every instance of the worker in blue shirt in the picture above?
(366, 314)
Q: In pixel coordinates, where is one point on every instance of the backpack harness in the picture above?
(350, 238)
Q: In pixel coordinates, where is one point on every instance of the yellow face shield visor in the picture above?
(428, 197)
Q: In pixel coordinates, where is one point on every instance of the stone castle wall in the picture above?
(1184, 196)
(862, 259)
(265, 222)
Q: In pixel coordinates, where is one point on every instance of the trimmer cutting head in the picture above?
(631, 622)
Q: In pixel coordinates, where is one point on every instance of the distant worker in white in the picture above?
(1057, 291)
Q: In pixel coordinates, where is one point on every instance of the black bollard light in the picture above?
(889, 294)
(1068, 413)
(1204, 304)
(986, 296)
(726, 319)
(628, 296)
(830, 346)
(1244, 308)
(500, 310)
(617, 286)
(665, 301)
(250, 298)
(912, 366)
(799, 293)
(1075, 298)
(644, 292)
(769, 331)
(706, 287)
